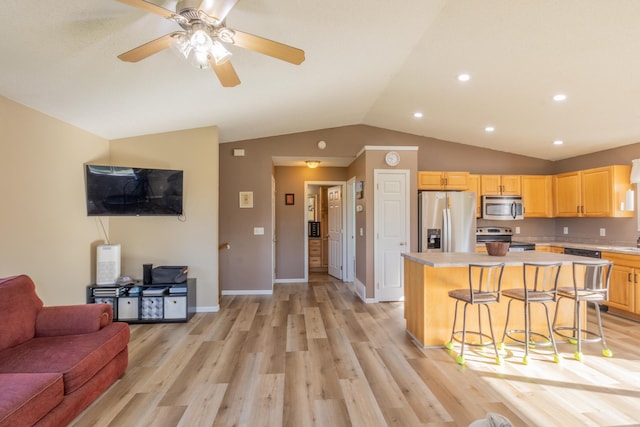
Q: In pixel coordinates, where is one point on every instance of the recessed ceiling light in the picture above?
(464, 77)
(558, 142)
(417, 115)
(489, 129)
(559, 97)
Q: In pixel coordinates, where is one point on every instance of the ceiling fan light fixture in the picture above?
(200, 41)
(181, 45)
(220, 53)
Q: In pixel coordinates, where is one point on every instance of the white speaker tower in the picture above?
(107, 264)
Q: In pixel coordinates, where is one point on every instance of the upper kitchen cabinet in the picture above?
(474, 186)
(500, 185)
(429, 180)
(598, 192)
(537, 196)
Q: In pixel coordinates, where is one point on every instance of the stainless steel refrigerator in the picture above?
(447, 221)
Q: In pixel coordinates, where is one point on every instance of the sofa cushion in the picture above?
(19, 306)
(76, 357)
(28, 397)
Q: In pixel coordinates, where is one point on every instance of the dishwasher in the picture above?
(590, 253)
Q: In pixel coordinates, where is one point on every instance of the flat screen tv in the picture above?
(130, 191)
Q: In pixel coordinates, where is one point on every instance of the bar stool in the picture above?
(484, 289)
(590, 285)
(540, 286)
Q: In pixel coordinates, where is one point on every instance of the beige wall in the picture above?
(192, 241)
(248, 268)
(44, 229)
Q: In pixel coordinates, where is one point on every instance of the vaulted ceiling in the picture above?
(373, 62)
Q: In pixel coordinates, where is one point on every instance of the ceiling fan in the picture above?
(204, 36)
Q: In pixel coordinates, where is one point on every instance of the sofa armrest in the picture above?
(72, 319)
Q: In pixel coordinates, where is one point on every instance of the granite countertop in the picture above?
(593, 246)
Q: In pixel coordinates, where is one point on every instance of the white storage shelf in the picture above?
(139, 308)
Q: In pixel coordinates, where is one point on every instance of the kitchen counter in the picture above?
(463, 259)
(428, 277)
(593, 246)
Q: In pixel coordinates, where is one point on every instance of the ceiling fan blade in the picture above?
(218, 9)
(268, 47)
(226, 73)
(144, 51)
(149, 7)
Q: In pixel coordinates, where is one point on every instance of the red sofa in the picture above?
(54, 361)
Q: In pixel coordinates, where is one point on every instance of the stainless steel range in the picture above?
(502, 234)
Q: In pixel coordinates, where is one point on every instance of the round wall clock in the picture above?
(392, 158)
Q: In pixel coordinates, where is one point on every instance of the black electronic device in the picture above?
(131, 191)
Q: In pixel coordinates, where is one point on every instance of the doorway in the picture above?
(325, 239)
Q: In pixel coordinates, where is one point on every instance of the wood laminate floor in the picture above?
(314, 355)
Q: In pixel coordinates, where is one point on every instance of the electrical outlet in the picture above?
(565, 230)
(603, 232)
(517, 230)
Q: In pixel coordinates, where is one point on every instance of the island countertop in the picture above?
(463, 259)
(429, 276)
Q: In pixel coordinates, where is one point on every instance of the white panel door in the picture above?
(334, 196)
(391, 232)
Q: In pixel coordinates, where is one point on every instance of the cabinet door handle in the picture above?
(629, 278)
(635, 278)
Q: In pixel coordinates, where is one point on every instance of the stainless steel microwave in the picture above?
(502, 207)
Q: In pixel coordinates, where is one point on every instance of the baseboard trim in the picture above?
(208, 309)
(302, 280)
(248, 292)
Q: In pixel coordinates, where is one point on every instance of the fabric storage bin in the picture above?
(175, 307)
(151, 308)
(110, 301)
(127, 308)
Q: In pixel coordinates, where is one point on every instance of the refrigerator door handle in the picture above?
(446, 230)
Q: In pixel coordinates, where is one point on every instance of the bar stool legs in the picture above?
(590, 285)
(540, 286)
(483, 289)
(449, 345)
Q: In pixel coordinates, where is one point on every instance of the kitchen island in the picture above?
(429, 276)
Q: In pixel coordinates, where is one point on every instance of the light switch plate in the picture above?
(565, 230)
(258, 231)
(603, 232)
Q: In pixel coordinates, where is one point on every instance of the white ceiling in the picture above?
(370, 62)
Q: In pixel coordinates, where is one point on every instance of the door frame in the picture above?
(342, 185)
(376, 216)
(349, 265)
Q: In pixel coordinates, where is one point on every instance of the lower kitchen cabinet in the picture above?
(624, 289)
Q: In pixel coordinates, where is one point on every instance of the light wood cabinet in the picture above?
(624, 289)
(537, 192)
(597, 192)
(474, 186)
(315, 253)
(437, 180)
(500, 185)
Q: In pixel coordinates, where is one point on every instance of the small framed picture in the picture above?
(246, 199)
(288, 199)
